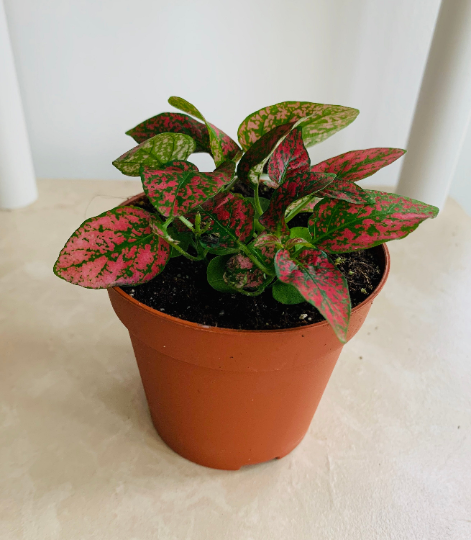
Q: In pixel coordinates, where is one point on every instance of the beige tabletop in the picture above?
(388, 454)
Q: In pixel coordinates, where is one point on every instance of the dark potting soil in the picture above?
(182, 290)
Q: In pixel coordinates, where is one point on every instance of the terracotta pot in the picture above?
(227, 398)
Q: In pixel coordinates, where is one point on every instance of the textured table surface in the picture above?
(388, 454)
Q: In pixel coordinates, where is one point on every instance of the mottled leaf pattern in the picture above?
(345, 190)
(292, 243)
(293, 188)
(265, 247)
(339, 227)
(251, 165)
(221, 145)
(321, 121)
(242, 273)
(172, 123)
(176, 192)
(232, 220)
(114, 248)
(155, 152)
(308, 203)
(359, 164)
(289, 158)
(320, 283)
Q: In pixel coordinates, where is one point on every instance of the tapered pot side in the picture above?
(227, 398)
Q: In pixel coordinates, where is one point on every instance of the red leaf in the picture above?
(232, 219)
(344, 190)
(242, 273)
(172, 123)
(182, 123)
(339, 226)
(176, 190)
(251, 165)
(320, 283)
(359, 164)
(112, 249)
(265, 247)
(293, 188)
(289, 159)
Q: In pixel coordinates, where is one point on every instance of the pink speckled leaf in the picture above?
(178, 189)
(265, 247)
(155, 152)
(320, 283)
(232, 220)
(242, 273)
(172, 123)
(308, 203)
(289, 159)
(321, 121)
(359, 164)
(251, 165)
(293, 188)
(339, 227)
(115, 248)
(345, 190)
(221, 145)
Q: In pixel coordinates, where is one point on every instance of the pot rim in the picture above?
(220, 330)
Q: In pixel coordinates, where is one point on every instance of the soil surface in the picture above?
(182, 290)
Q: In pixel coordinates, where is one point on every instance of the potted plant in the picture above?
(240, 286)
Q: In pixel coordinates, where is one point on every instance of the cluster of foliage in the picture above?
(246, 241)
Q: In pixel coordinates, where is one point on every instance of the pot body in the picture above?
(227, 398)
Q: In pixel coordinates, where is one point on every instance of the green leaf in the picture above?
(300, 232)
(183, 239)
(320, 121)
(222, 146)
(215, 274)
(264, 203)
(286, 294)
(340, 227)
(155, 152)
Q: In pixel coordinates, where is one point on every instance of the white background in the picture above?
(91, 69)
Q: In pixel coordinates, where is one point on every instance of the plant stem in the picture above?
(167, 223)
(198, 224)
(184, 253)
(296, 211)
(258, 207)
(255, 260)
(187, 223)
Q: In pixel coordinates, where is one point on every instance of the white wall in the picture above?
(461, 186)
(91, 69)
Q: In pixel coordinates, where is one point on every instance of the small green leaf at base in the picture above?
(300, 232)
(183, 238)
(215, 274)
(286, 294)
